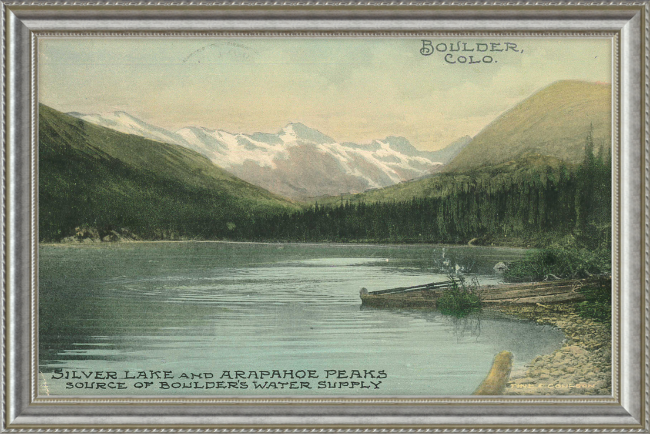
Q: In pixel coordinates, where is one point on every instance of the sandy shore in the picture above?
(582, 366)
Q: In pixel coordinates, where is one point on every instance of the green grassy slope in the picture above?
(94, 177)
(553, 121)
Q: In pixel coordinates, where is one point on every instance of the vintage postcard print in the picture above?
(413, 216)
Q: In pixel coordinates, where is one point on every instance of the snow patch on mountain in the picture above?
(297, 162)
(125, 123)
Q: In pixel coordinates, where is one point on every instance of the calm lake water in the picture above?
(205, 308)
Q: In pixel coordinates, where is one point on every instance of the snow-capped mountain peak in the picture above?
(297, 132)
(297, 162)
(401, 145)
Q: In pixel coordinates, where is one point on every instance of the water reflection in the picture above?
(467, 326)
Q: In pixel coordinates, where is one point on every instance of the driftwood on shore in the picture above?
(426, 296)
(495, 382)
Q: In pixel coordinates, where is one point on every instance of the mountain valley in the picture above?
(297, 162)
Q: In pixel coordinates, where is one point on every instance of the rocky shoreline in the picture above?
(582, 366)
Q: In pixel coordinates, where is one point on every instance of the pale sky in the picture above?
(352, 89)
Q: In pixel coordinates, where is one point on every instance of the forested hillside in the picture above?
(96, 183)
(532, 201)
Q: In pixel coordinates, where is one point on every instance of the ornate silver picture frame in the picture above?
(42, 392)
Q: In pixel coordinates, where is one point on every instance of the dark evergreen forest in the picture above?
(534, 201)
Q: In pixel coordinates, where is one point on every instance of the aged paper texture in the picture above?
(325, 216)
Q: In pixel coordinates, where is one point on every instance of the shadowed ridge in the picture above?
(105, 181)
(552, 122)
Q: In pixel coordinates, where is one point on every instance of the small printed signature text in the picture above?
(553, 386)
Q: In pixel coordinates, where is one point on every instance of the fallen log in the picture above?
(428, 286)
(557, 291)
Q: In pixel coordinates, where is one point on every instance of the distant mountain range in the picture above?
(297, 162)
(554, 121)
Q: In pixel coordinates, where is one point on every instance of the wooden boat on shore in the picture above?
(426, 296)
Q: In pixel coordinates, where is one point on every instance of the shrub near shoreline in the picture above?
(571, 263)
(460, 299)
(559, 263)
